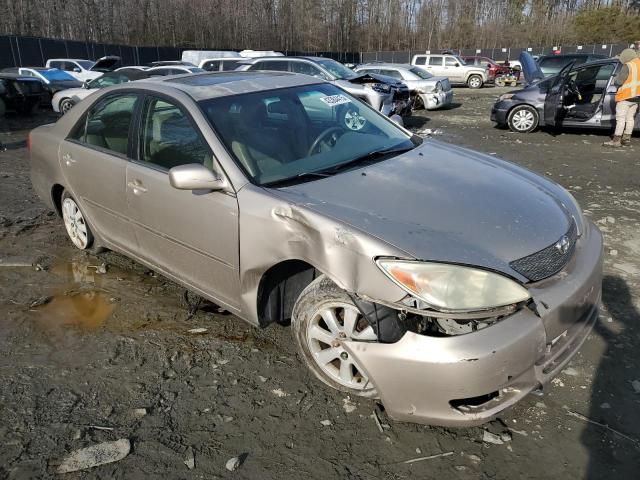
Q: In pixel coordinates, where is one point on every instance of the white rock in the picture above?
(139, 412)
(571, 372)
(611, 220)
(278, 392)
(263, 379)
(613, 252)
(197, 330)
(190, 460)
(489, 437)
(100, 454)
(233, 464)
(348, 405)
(326, 423)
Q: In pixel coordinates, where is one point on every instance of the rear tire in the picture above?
(324, 316)
(523, 119)
(474, 81)
(75, 223)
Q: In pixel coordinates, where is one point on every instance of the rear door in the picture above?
(191, 236)
(94, 159)
(553, 104)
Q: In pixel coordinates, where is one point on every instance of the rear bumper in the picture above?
(468, 379)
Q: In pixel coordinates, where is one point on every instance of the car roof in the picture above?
(406, 66)
(203, 86)
(573, 55)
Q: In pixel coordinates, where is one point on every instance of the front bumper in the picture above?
(500, 110)
(468, 379)
(433, 101)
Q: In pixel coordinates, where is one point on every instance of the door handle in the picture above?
(68, 159)
(137, 187)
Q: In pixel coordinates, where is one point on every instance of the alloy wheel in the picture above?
(333, 324)
(75, 223)
(523, 120)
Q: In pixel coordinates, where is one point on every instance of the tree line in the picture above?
(326, 25)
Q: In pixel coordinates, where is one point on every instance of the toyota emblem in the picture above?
(563, 244)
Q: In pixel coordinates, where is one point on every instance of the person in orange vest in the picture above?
(627, 97)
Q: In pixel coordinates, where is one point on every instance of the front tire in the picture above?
(75, 223)
(475, 81)
(323, 317)
(65, 105)
(523, 119)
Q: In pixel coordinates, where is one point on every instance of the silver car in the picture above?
(447, 283)
(426, 90)
(385, 94)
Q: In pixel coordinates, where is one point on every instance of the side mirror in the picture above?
(195, 177)
(76, 69)
(85, 84)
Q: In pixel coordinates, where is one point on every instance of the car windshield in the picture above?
(196, 69)
(86, 64)
(302, 133)
(55, 74)
(107, 80)
(421, 73)
(337, 69)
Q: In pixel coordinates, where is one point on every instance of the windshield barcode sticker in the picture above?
(333, 100)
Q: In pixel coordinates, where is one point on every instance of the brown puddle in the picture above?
(85, 310)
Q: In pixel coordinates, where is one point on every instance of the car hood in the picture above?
(367, 77)
(444, 203)
(106, 64)
(530, 68)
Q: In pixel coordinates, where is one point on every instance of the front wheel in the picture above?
(65, 105)
(474, 81)
(523, 119)
(323, 317)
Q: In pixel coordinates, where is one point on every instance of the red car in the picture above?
(493, 68)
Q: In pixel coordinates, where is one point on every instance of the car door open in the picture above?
(192, 234)
(553, 104)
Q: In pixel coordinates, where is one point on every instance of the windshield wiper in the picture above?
(367, 157)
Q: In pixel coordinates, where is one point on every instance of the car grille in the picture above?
(549, 260)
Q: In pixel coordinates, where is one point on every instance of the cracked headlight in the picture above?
(452, 287)
(380, 87)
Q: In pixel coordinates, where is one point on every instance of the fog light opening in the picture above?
(468, 404)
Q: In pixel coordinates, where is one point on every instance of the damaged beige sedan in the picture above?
(447, 283)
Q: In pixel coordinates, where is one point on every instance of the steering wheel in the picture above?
(573, 89)
(321, 137)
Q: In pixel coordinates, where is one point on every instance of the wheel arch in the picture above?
(56, 197)
(279, 288)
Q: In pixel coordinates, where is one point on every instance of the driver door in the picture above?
(553, 104)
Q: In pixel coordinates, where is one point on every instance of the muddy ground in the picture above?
(109, 356)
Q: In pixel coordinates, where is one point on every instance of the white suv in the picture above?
(452, 67)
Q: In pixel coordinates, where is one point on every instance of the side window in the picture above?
(391, 73)
(71, 67)
(26, 73)
(56, 64)
(307, 69)
(169, 138)
(450, 62)
(435, 61)
(281, 66)
(211, 65)
(107, 124)
(484, 63)
(229, 65)
(421, 61)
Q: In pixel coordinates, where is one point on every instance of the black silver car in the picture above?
(579, 96)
